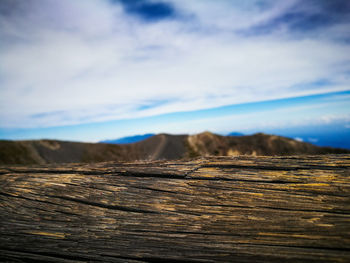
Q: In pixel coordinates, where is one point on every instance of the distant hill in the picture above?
(157, 147)
(235, 134)
(129, 139)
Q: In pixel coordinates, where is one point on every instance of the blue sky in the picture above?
(302, 117)
(89, 70)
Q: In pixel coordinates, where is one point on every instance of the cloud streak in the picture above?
(71, 62)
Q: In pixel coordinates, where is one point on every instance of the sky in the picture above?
(89, 70)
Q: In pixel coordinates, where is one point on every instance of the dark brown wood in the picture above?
(232, 209)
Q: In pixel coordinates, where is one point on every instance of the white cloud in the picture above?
(68, 62)
(313, 140)
(331, 118)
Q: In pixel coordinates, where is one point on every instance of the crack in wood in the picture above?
(102, 205)
(274, 168)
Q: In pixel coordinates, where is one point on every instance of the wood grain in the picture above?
(215, 209)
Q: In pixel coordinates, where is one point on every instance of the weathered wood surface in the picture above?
(243, 209)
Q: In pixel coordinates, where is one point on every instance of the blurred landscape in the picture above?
(93, 71)
(156, 147)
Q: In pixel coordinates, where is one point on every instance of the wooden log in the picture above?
(215, 209)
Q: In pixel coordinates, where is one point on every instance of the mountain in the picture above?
(157, 147)
(129, 139)
(206, 144)
(235, 134)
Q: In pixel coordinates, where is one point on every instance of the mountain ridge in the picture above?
(157, 147)
(129, 139)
